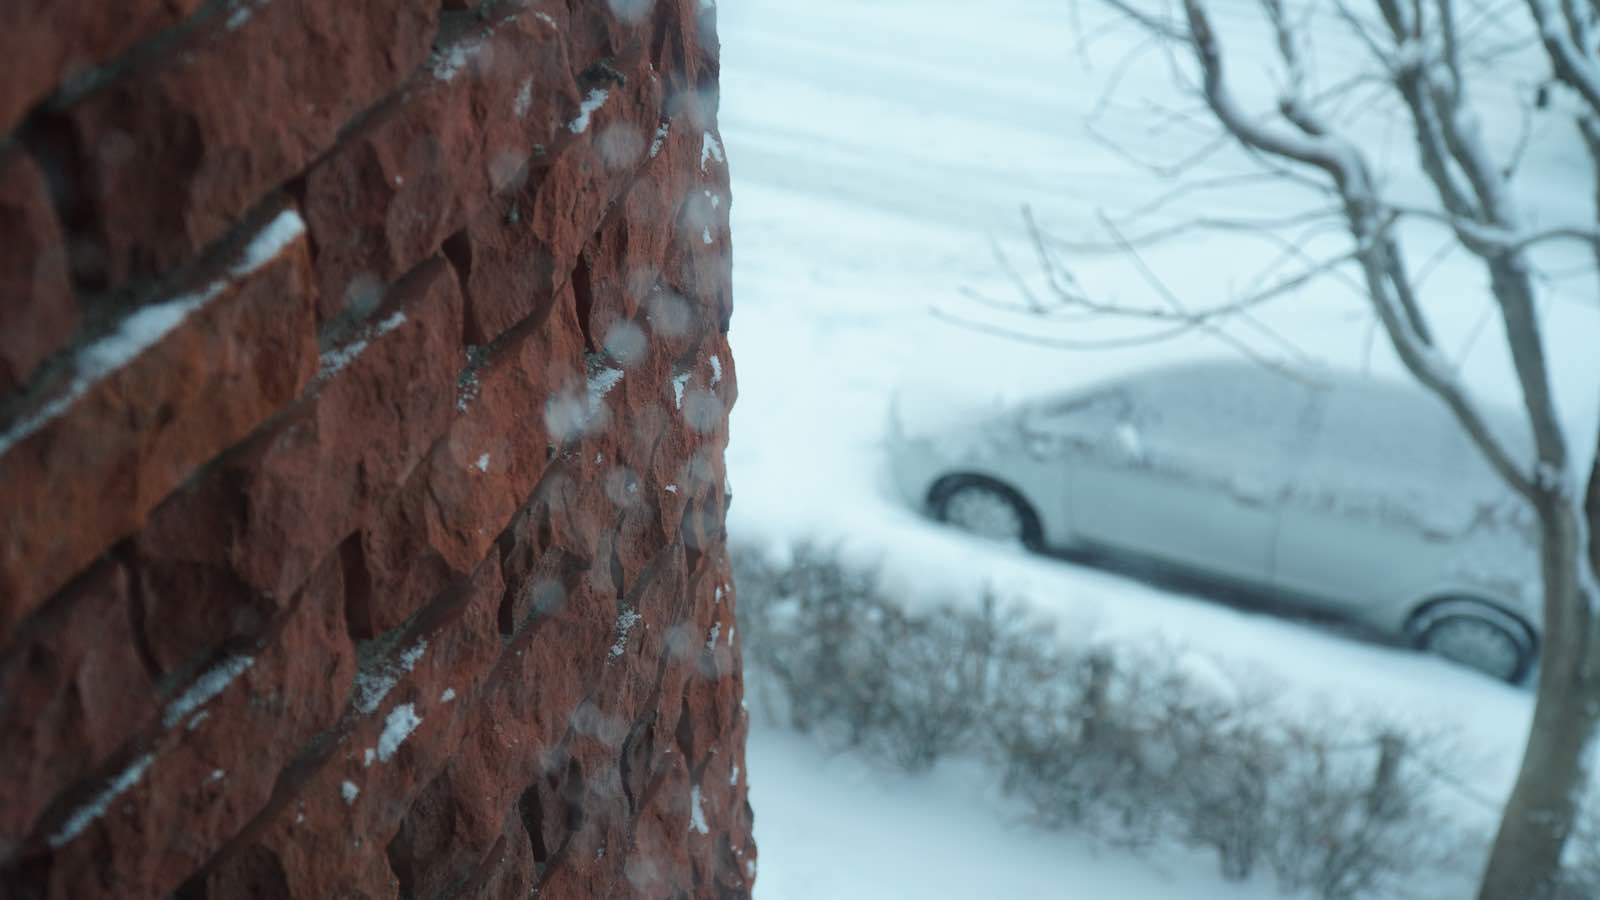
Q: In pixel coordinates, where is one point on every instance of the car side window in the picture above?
(1080, 423)
(1397, 455)
(1248, 416)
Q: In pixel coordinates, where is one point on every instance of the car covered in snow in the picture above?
(1335, 492)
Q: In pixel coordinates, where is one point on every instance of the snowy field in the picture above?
(877, 147)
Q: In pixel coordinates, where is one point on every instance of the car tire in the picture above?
(1484, 639)
(988, 509)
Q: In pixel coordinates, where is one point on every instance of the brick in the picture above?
(446, 833)
(73, 691)
(46, 42)
(213, 768)
(516, 256)
(330, 839)
(38, 311)
(137, 422)
(688, 54)
(402, 571)
(175, 151)
(260, 519)
(657, 865)
(700, 271)
(462, 130)
(525, 710)
(507, 871)
(481, 472)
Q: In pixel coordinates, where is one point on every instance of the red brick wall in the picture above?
(363, 397)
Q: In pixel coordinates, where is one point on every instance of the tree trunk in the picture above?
(1525, 861)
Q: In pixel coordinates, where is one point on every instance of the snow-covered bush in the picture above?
(854, 668)
(1137, 749)
(808, 631)
(1349, 819)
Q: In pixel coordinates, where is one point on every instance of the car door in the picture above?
(1379, 512)
(1196, 467)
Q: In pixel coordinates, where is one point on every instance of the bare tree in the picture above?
(1425, 55)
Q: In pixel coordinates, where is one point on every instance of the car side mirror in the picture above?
(1128, 442)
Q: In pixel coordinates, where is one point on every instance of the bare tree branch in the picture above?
(1344, 165)
(1321, 152)
(1164, 170)
(1589, 129)
(1027, 336)
(1228, 182)
(1262, 227)
(1156, 25)
(1565, 55)
(1205, 323)
(1432, 145)
(1362, 31)
(1452, 45)
(1491, 241)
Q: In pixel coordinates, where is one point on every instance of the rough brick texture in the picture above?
(38, 311)
(363, 398)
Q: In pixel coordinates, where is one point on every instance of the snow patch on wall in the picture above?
(709, 150)
(601, 382)
(147, 326)
(447, 64)
(402, 721)
(374, 684)
(625, 623)
(242, 13)
(697, 815)
(334, 361)
(205, 688)
(84, 815)
(136, 334)
(524, 99)
(269, 242)
(679, 383)
(595, 100)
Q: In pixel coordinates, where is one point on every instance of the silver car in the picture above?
(1343, 494)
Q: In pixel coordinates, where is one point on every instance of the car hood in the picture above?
(955, 427)
(925, 412)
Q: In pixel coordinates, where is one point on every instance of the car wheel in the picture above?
(1478, 642)
(989, 510)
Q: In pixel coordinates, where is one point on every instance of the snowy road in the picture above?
(876, 148)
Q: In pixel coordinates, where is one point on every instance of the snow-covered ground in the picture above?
(835, 828)
(876, 149)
